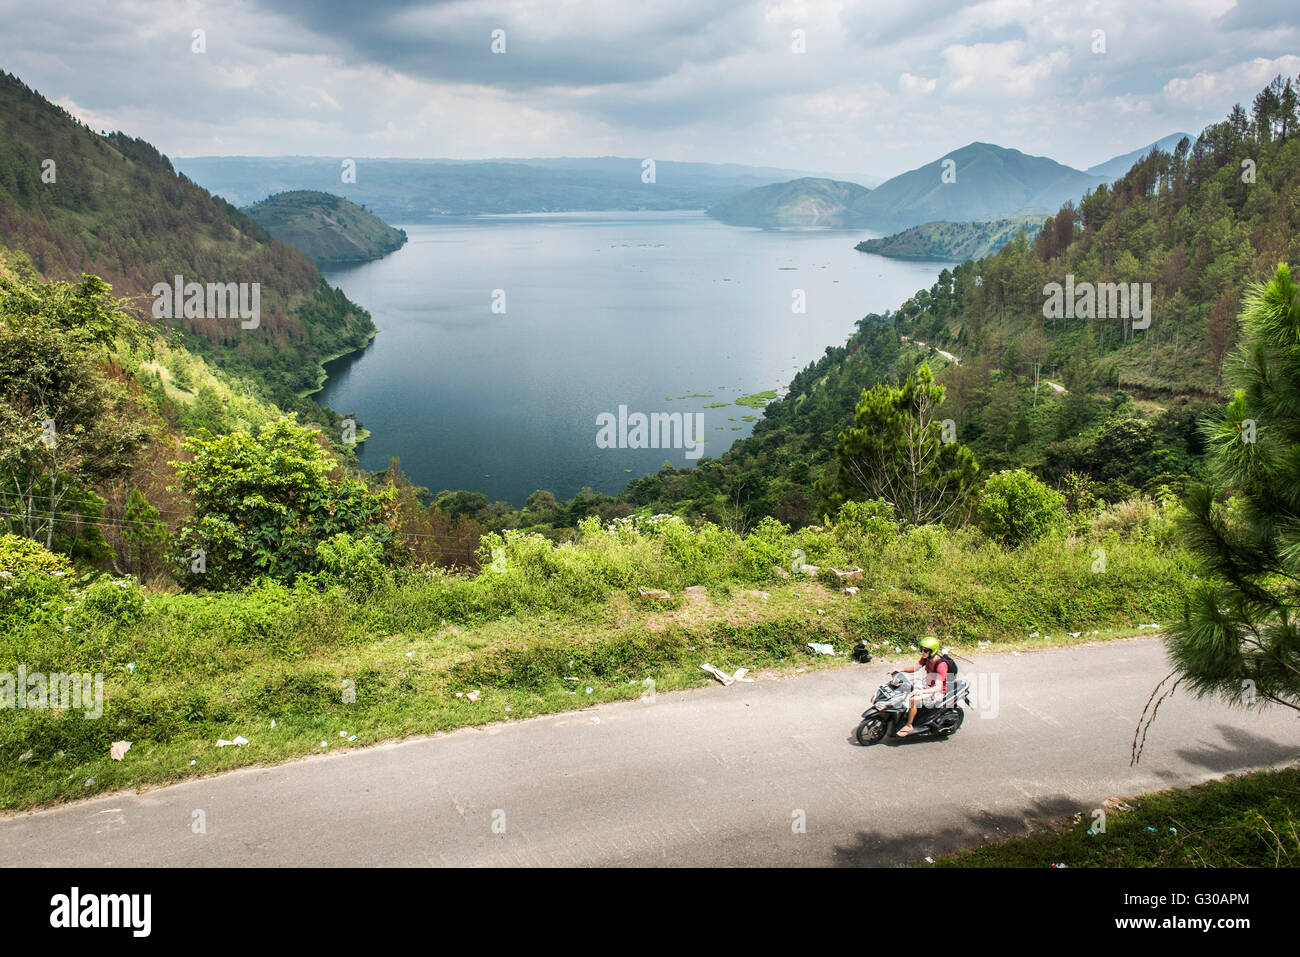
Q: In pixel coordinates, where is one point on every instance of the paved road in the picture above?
(718, 776)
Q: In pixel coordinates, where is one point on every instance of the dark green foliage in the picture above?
(265, 503)
(1240, 638)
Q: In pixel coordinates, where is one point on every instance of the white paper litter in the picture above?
(725, 678)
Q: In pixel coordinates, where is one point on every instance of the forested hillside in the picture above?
(1093, 399)
(951, 241)
(76, 202)
(330, 229)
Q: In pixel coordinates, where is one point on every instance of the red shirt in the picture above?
(936, 666)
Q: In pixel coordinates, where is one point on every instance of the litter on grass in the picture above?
(725, 678)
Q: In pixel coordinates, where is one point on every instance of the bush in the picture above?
(22, 556)
(355, 563)
(34, 582)
(1016, 508)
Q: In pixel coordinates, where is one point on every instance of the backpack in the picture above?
(952, 665)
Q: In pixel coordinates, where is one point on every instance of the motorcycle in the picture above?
(888, 712)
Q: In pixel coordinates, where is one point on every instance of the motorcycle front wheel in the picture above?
(870, 731)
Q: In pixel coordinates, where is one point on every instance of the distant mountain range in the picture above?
(330, 229)
(979, 182)
(408, 191)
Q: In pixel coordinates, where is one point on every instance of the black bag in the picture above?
(860, 653)
(952, 665)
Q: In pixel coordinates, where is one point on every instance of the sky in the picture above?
(871, 88)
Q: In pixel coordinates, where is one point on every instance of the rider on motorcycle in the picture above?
(933, 686)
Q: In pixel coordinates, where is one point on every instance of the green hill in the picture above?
(986, 182)
(952, 242)
(1125, 404)
(79, 202)
(330, 229)
(800, 202)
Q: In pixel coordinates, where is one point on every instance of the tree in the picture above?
(67, 425)
(263, 504)
(896, 451)
(1239, 638)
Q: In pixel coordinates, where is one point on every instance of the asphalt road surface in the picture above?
(758, 774)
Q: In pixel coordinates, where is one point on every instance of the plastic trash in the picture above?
(725, 678)
(118, 750)
(822, 647)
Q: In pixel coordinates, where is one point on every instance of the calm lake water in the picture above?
(658, 312)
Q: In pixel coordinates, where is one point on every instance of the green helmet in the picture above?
(930, 642)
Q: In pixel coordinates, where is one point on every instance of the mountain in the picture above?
(801, 202)
(982, 181)
(952, 242)
(1119, 165)
(79, 202)
(409, 191)
(330, 229)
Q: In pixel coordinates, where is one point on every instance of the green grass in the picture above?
(1249, 820)
(184, 670)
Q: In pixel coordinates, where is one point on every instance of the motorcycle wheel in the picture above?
(870, 731)
(949, 732)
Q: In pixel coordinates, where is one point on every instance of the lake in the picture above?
(650, 311)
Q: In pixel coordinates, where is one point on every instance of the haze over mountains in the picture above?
(410, 191)
(977, 183)
(983, 182)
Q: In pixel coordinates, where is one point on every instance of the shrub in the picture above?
(1016, 508)
(355, 563)
(22, 556)
(112, 601)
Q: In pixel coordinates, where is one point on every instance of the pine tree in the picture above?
(1239, 638)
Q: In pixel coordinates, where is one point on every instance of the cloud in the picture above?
(1237, 83)
(881, 88)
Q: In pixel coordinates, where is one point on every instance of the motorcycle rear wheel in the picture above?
(870, 731)
(955, 727)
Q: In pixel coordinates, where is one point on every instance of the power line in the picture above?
(123, 523)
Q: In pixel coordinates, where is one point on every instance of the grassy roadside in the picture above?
(1246, 820)
(337, 664)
